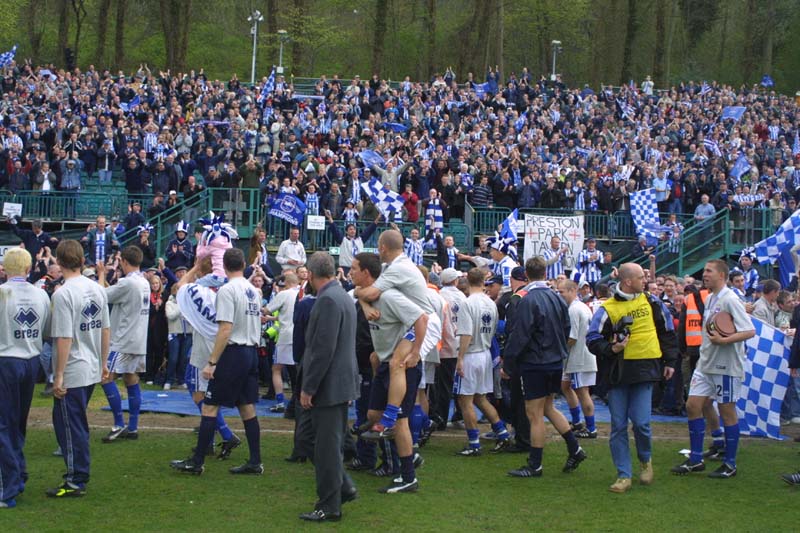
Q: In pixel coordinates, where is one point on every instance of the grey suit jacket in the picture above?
(329, 371)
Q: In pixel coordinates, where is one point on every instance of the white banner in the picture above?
(315, 222)
(539, 229)
(11, 209)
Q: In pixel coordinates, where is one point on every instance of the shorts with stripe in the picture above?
(579, 380)
(718, 387)
(283, 355)
(478, 376)
(126, 363)
(235, 380)
(194, 379)
(428, 374)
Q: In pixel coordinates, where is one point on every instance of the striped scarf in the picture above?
(434, 209)
(350, 215)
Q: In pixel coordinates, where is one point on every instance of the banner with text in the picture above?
(539, 229)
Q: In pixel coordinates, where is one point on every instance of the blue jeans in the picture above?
(45, 360)
(178, 347)
(105, 176)
(791, 403)
(630, 402)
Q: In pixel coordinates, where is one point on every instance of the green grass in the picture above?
(132, 489)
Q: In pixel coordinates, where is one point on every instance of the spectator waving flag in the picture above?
(128, 106)
(371, 158)
(396, 127)
(626, 110)
(712, 146)
(766, 379)
(741, 167)
(770, 249)
(705, 89)
(767, 81)
(7, 57)
(289, 208)
(267, 89)
(733, 112)
(386, 200)
(510, 226)
(481, 89)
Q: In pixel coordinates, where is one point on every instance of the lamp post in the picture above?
(284, 38)
(255, 18)
(556, 45)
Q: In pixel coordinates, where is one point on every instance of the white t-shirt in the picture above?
(80, 312)
(580, 359)
(283, 303)
(478, 318)
(24, 319)
(129, 316)
(239, 303)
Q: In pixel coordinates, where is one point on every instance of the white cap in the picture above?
(449, 275)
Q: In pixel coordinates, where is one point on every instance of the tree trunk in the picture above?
(769, 41)
(175, 24)
(63, 28)
(430, 27)
(379, 35)
(723, 43)
(673, 18)
(272, 17)
(658, 54)
(465, 52)
(298, 50)
(80, 15)
(500, 36)
(102, 32)
(481, 44)
(627, 48)
(35, 28)
(752, 40)
(119, 33)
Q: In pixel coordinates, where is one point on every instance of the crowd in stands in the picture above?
(510, 142)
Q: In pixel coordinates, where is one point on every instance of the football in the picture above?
(722, 323)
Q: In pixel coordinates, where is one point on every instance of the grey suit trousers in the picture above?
(329, 425)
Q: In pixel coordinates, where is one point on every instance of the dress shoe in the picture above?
(296, 459)
(349, 496)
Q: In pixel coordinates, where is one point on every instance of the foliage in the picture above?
(734, 41)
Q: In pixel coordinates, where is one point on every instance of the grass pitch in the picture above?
(133, 489)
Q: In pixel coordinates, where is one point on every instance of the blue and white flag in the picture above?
(712, 146)
(288, 207)
(767, 81)
(386, 200)
(481, 89)
(705, 89)
(770, 249)
(371, 158)
(644, 211)
(7, 57)
(796, 145)
(626, 110)
(510, 226)
(396, 127)
(766, 378)
(128, 106)
(741, 167)
(267, 89)
(733, 112)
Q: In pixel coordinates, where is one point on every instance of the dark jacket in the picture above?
(329, 372)
(631, 371)
(302, 312)
(364, 347)
(33, 243)
(540, 332)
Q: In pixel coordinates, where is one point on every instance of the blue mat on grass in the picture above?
(179, 402)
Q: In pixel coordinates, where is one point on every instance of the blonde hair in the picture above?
(17, 262)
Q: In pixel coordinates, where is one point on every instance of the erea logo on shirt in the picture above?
(90, 311)
(26, 318)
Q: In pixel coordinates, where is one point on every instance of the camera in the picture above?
(622, 329)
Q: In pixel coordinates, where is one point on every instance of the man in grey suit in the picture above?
(329, 380)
